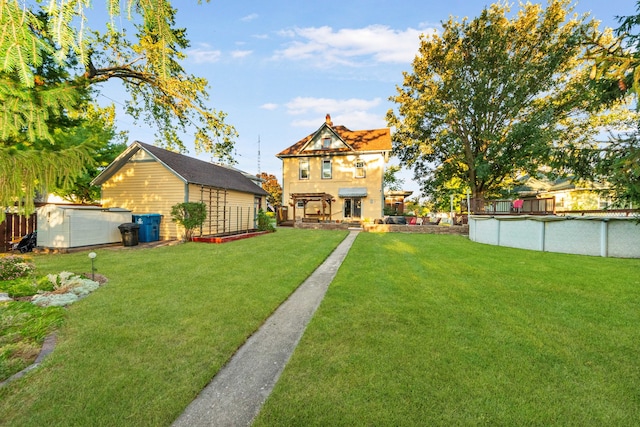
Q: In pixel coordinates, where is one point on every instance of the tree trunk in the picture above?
(477, 202)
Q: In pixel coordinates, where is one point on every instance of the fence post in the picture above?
(604, 237)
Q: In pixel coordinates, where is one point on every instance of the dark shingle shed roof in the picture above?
(189, 169)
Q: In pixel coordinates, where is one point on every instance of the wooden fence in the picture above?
(14, 227)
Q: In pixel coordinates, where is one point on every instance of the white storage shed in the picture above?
(69, 226)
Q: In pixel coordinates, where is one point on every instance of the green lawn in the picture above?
(437, 330)
(139, 349)
(415, 330)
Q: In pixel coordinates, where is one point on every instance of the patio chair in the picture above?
(517, 205)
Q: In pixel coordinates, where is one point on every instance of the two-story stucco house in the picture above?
(335, 174)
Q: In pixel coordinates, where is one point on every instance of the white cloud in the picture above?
(269, 106)
(204, 54)
(241, 53)
(249, 18)
(303, 105)
(325, 46)
(353, 113)
(287, 33)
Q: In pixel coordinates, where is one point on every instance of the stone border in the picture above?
(421, 229)
(388, 228)
(50, 341)
(47, 347)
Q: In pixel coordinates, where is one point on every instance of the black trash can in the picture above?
(129, 232)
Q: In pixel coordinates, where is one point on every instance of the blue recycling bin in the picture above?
(149, 227)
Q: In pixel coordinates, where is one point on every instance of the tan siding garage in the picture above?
(146, 187)
(147, 179)
(228, 211)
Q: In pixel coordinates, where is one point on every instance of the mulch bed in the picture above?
(230, 238)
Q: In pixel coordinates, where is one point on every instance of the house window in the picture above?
(326, 143)
(304, 168)
(603, 203)
(360, 170)
(326, 169)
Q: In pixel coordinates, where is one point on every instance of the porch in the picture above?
(316, 207)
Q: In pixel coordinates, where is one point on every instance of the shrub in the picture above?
(25, 286)
(43, 284)
(264, 222)
(190, 215)
(13, 267)
(20, 287)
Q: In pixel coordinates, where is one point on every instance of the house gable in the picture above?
(134, 153)
(324, 141)
(342, 141)
(142, 156)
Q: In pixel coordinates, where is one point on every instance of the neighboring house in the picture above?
(567, 194)
(147, 179)
(394, 201)
(335, 174)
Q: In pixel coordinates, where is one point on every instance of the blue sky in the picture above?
(278, 67)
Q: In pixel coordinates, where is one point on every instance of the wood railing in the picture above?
(530, 206)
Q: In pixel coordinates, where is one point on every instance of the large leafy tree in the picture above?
(390, 180)
(496, 97)
(618, 60)
(40, 141)
(107, 144)
(36, 34)
(270, 185)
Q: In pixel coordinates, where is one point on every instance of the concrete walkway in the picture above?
(236, 394)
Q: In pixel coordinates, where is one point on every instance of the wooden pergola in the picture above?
(325, 198)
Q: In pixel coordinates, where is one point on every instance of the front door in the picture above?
(357, 208)
(353, 208)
